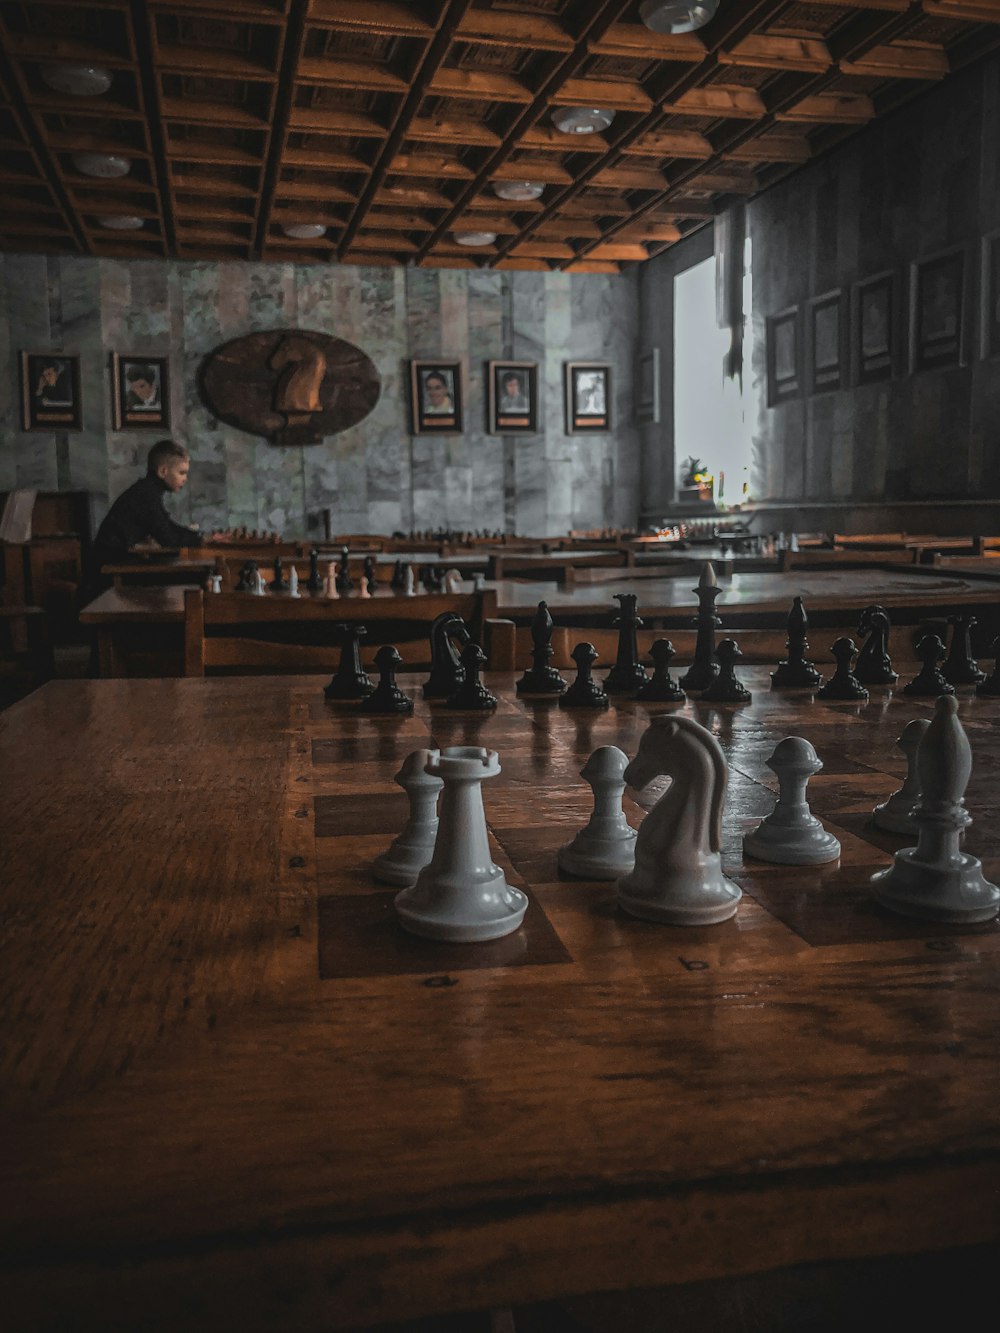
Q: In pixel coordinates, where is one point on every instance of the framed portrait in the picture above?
(436, 397)
(826, 343)
(140, 392)
(937, 311)
(783, 356)
(513, 397)
(588, 397)
(874, 328)
(647, 390)
(990, 297)
(50, 391)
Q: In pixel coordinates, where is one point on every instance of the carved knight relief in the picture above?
(294, 386)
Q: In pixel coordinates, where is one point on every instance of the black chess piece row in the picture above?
(453, 679)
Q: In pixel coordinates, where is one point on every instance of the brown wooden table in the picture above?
(236, 1096)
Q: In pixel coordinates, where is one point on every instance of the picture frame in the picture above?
(50, 391)
(784, 356)
(874, 323)
(588, 397)
(140, 392)
(647, 392)
(937, 311)
(512, 397)
(989, 303)
(436, 397)
(826, 355)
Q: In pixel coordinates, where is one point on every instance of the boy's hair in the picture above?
(161, 452)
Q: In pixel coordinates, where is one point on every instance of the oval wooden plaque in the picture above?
(293, 386)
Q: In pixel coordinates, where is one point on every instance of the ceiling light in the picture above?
(475, 237)
(677, 15)
(121, 222)
(517, 189)
(106, 165)
(582, 119)
(303, 231)
(77, 80)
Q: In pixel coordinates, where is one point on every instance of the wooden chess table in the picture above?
(235, 1094)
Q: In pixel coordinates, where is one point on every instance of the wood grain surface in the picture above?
(235, 1095)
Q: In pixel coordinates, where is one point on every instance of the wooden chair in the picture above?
(243, 634)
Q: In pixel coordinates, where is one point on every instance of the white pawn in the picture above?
(259, 588)
(293, 582)
(935, 881)
(461, 896)
(895, 814)
(605, 848)
(363, 589)
(791, 835)
(330, 588)
(408, 590)
(410, 852)
(215, 582)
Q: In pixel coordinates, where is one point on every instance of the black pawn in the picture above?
(585, 692)
(387, 697)
(873, 665)
(661, 689)
(960, 667)
(278, 583)
(350, 682)
(398, 582)
(794, 671)
(929, 680)
(344, 581)
(472, 694)
(246, 580)
(540, 678)
(627, 674)
(843, 684)
(314, 583)
(704, 668)
(991, 685)
(447, 672)
(726, 689)
(369, 574)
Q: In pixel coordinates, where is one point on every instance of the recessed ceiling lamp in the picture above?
(121, 222)
(517, 189)
(105, 165)
(582, 119)
(677, 15)
(77, 80)
(303, 231)
(475, 237)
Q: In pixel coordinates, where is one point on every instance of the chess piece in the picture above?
(408, 588)
(540, 678)
(453, 582)
(278, 583)
(791, 834)
(349, 681)
(258, 589)
(677, 878)
(472, 694)
(344, 581)
(398, 578)
(705, 668)
(387, 697)
(363, 590)
(936, 881)
(215, 582)
(460, 895)
(874, 666)
(843, 684)
(794, 671)
(960, 667)
(330, 588)
(407, 855)
(245, 582)
(929, 680)
(726, 689)
(293, 582)
(895, 815)
(369, 581)
(605, 848)
(584, 692)
(627, 674)
(661, 688)
(991, 685)
(315, 580)
(447, 672)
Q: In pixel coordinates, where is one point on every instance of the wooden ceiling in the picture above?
(390, 121)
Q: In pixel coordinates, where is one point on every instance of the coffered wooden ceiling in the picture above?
(390, 121)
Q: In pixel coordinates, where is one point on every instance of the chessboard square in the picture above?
(360, 936)
(374, 812)
(344, 864)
